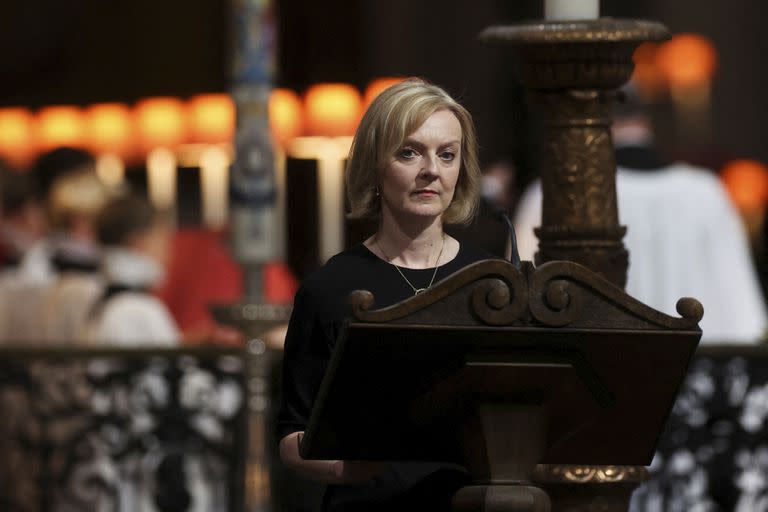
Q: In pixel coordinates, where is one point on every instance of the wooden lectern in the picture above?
(518, 375)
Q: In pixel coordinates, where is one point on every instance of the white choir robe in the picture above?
(66, 304)
(685, 239)
(133, 317)
(22, 290)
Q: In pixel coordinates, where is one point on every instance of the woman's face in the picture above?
(420, 177)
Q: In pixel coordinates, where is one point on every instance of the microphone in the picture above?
(504, 217)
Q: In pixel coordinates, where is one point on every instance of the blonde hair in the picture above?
(391, 118)
(78, 194)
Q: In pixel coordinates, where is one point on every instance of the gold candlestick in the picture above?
(571, 71)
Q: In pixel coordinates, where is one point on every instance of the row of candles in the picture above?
(168, 133)
(165, 132)
(685, 62)
(319, 126)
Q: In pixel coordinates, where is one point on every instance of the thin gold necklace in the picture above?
(416, 291)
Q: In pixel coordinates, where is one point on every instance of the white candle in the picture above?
(330, 171)
(280, 213)
(214, 184)
(571, 9)
(330, 154)
(161, 178)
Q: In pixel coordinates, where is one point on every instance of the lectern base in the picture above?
(589, 488)
(561, 488)
(501, 498)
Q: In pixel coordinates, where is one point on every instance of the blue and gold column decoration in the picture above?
(252, 181)
(254, 213)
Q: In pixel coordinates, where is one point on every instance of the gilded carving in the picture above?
(603, 30)
(580, 474)
(558, 290)
(499, 302)
(499, 295)
(556, 294)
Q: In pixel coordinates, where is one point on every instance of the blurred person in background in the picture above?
(22, 225)
(74, 202)
(62, 240)
(201, 272)
(136, 240)
(56, 163)
(498, 186)
(65, 181)
(22, 217)
(684, 237)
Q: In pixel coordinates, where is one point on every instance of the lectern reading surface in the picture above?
(601, 369)
(400, 392)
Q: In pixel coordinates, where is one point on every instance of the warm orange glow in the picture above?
(687, 60)
(160, 122)
(747, 183)
(16, 139)
(648, 76)
(332, 110)
(60, 126)
(108, 128)
(285, 121)
(211, 118)
(377, 86)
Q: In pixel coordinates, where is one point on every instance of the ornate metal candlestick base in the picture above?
(589, 488)
(255, 320)
(571, 71)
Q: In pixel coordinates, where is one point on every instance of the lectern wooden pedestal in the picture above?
(512, 374)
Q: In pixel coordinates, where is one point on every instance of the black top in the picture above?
(487, 230)
(318, 311)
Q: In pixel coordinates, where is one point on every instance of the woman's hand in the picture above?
(357, 471)
(337, 472)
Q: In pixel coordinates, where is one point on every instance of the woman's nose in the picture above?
(429, 167)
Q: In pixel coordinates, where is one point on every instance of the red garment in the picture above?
(200, 272)
(280, 284)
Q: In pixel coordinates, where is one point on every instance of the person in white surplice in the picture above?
(136, 237)
(684, 237)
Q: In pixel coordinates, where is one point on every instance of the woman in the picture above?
(413, 166)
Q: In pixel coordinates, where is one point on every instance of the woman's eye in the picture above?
(407, 153)
(447, 156)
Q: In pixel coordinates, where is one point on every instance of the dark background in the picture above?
(86, 51)
(348, 40)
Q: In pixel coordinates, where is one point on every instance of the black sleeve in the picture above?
(305, 359)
